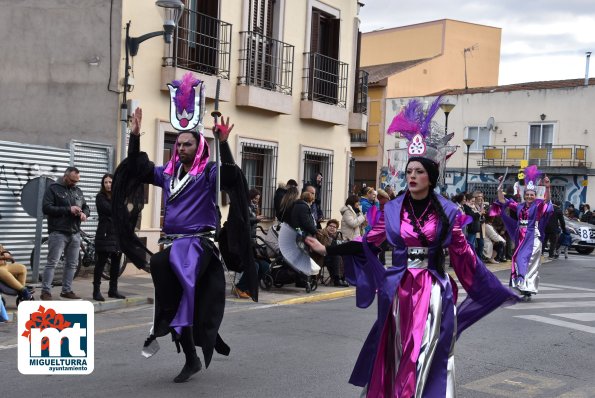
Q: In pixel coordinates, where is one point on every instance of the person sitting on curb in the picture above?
(14, 275)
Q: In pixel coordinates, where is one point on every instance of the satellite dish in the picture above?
(490, 123)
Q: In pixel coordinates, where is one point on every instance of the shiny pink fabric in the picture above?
(462, 256)
(377, 234)
(413, 298)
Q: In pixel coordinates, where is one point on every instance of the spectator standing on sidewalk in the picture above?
(106, 244)
(279, 193)
(481, 208)
(553, 228)
(587, 215)
(495, 244)
(65, 207)
(352, 218)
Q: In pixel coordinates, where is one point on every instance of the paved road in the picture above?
(544, 348)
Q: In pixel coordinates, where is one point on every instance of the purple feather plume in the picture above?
(413, 120)
(532, 174)
(184, 98)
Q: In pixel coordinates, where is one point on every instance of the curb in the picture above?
(317, 297)
(98, 306)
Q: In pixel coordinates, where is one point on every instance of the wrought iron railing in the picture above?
(266, 63)
(203, 44)
(359, 137)
(325, 80)
(360, 104)
(544, 155)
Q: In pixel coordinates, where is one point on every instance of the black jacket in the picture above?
(301, 217)
(475, 226)
(57, 201)
(105, 237)
(556, 222)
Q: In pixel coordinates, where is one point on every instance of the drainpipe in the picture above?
(588, 53)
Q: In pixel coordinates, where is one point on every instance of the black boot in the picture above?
(97, 277)
(337, 282)
(113, 281)
(97, 293)
(193, 364)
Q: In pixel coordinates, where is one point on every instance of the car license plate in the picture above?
(587, 234)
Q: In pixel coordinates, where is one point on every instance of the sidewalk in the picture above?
(137, 286)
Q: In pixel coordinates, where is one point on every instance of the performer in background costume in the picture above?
(409, 350)
(527, 230)
(188, 275)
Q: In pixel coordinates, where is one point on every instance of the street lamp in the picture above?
(172, 11)
(446, 108)
(468, 142)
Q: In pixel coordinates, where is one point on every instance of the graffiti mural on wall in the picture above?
(14, 178)
(574, 187)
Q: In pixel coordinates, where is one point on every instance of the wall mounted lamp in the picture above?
(542, 116)
(516, 134)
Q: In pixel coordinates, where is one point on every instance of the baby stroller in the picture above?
(281, 271)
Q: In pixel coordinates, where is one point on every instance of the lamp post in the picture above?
(468, 142)
(446, 108)
(171, 15)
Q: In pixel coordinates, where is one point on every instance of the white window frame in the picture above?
(268, 190)
(327, 179)
(475, 147)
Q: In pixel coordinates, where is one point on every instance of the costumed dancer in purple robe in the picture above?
(188, 275)
(409, 350)
(527, 229)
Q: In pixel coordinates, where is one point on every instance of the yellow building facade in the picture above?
(287, 71)
(418, 60)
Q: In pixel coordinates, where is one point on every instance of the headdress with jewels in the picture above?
(532, 178)
(187, 106)
(425, 138)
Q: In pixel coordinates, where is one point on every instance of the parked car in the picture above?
(583, 235)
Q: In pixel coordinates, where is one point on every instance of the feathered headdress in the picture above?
(187, 103)
(425, 138)
(186, 109)
(530, 182)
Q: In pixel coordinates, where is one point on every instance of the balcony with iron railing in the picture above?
(358, 119)
(324, 95)
(359, 139)
(546, 156)
(265, 79)
(202, 45)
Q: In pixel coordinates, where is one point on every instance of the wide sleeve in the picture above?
(484, 290)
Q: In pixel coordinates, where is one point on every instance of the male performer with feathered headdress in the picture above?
(188, 275)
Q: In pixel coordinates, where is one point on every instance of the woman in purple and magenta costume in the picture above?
(188, 275)
(409, 350)
(527, 230)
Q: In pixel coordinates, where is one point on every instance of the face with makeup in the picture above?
(418, 180)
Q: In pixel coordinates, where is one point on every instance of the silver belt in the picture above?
(169, 239)
(417, 257)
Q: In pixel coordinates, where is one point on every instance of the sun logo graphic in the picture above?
(56, 337)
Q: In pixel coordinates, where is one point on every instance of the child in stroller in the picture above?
(281, 272)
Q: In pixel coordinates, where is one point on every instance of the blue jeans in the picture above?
(471, 239)
(59, 243)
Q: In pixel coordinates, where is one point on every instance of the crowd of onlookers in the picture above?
(487, 234)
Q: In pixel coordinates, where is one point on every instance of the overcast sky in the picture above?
(541, 39)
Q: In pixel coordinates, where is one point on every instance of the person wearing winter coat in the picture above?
(352, 219)
(106, 245)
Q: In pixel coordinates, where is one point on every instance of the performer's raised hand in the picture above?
(546, 182)
(223, 130)
(137, 118)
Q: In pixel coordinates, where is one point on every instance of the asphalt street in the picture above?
(543, 348)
